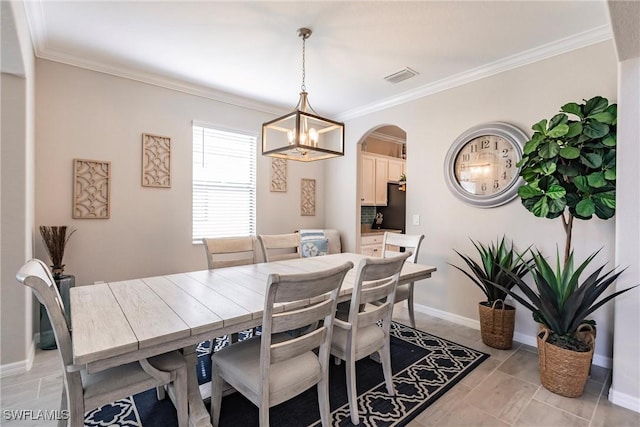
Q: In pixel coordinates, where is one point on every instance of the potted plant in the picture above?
(562, 303)
(497, 319)
(55, 240)
(569, 165)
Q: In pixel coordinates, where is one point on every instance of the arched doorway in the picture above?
(381, 173)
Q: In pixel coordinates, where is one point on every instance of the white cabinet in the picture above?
(371, 245)
(376, 171)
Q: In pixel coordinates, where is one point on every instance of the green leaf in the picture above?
(608, 199)
(575, 129)
(572, 108)
(569, 152)
(582, 183)
(541, 126)
(604, 212)
(548, 167)
(610, 174)
(549, 150)
(595, 105)
(557, 120)
(527, 192)
(530, 146)
(556, 191)
(603, 117)
(595, 130)
(559, 130)
(609, 140)
(592, 160)
(596, 180)
(586, 208)
(556, 206)
(528, 174)
(567, 170)
(541, 208)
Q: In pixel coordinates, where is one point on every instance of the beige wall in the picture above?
(89, 115)
(17, 117)
(522, 97)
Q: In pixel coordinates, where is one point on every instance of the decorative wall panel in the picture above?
(156, 161)
(308, 197)
(91, 189)
(279, 175)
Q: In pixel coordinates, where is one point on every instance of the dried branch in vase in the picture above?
(55, 239)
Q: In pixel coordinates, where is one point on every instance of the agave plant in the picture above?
(498, 263)
(562, 303)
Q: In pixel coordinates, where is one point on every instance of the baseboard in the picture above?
(630, 402)
(22, 366)
(530, 340)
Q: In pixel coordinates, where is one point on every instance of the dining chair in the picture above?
(275, 367)
(230, 251)
(410, 242)
(278, 247)
(83, 391)
(359, 335)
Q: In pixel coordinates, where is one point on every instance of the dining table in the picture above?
(124, 321)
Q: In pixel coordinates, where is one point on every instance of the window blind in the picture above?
(224, 183)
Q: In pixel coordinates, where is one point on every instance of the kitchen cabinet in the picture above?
(371, 244)
(376, 171)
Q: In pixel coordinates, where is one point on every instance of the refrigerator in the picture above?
(395, 213)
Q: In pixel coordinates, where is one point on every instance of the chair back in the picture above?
(230, 251)
(278, 247)
(36, 275)
(410, 242)
(294, 301)
(376, 281)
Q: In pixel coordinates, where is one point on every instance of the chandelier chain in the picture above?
(303, 86)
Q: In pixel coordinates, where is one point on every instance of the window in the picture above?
(224, 183)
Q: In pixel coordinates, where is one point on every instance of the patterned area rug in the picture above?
(424, 368)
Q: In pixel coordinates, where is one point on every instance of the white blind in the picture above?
(224, 183)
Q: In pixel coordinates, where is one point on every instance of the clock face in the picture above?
(480, 166)
(486, 165)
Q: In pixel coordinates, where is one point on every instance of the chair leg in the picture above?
(217, 383)
(264, 413)
(160, 392)
(351, 391)
(385, 355)
(63, 406)
(412, 317)
(323, 402)
(181, 396)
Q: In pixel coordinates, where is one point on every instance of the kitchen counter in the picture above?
(376, 231)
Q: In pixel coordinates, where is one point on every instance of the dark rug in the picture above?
(424, 368)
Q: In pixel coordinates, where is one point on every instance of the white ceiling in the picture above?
(227, 50)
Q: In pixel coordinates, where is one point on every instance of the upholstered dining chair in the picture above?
(275, 367)
(230, 251)
(278, 247)
(359, 335)
(83, 391)
(410, 242)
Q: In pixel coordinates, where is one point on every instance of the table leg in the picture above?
(198, 414)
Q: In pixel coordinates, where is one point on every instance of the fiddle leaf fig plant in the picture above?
(569, 165)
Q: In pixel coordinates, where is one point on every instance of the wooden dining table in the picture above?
(120, 322)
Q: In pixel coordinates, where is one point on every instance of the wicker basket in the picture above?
(496, 325)
(564, 372)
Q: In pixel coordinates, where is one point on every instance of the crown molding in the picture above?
(558, 47)
(387, 138)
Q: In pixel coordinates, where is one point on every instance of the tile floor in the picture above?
(504, 390)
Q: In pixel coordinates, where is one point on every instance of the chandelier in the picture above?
(303, 135)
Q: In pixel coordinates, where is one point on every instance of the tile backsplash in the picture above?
(367, 214)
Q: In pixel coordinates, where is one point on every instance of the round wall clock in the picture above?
(480, 167)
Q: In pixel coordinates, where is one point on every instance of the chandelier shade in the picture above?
(303, 135)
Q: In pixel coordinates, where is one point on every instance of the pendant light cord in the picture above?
(303, 87)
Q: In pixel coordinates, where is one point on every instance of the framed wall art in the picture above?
(156, 161)
(308, 197)
(91, 189)
(278, 175)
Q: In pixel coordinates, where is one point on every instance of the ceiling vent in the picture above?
(401, 75)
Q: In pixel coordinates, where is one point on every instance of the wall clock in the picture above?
(480, 166)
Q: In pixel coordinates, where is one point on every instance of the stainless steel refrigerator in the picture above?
(395, 213)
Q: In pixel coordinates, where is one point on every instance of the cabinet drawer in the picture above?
(372, 240)
(371, 250)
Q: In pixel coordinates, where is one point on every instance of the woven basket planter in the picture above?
(564, 372)
(496, 325)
